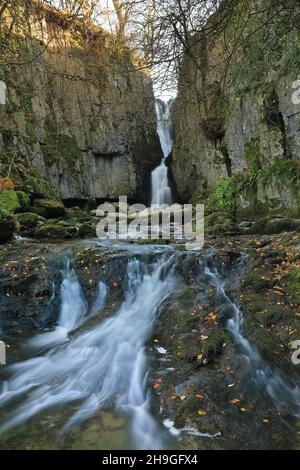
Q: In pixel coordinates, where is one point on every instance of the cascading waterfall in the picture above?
(104, 367)
(160, 188)
(284, 396)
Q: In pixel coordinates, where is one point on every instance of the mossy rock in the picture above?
(87, 231)
(24, 200)
(227, 226)
(7, 226)
(38, 186)
(282, 225)
(274, 226)
(293, 285)
(214, 218)
(56, 232)
(76, 213)
(213, 345)
(50, 208)
(9, 200)
(28, 221)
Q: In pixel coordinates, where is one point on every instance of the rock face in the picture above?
(78, 112)
(249, 125)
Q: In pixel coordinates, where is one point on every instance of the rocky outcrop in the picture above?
(79, 114)
(241, 121)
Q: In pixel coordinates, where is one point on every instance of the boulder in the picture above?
(9, 200)
(56, 232)
(7, 226)
(24, 201)
(49, 208)
(28, 221)
(87, 231)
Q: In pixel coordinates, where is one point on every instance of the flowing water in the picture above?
(85, 383)
(160, 187)
(104, 367)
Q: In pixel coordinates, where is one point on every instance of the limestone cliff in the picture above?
(79, 119)
(241, 116)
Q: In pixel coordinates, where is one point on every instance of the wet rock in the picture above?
(226, 227)
(49, 208)
(27, 222)
(56, 231)
(270, 226)
(87, 230)
(7, 226)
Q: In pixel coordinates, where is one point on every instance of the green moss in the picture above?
(60, 146)
(56, 232)
(37, 185)
(24, 200)
(9, 200)
(7, 225)
(252, 153)
(31, 137)
(213, 124)
(69, 150)
(50, 147)
(49, 208)
(27, 221)
(213, 345)
(7, 137)
(293, 279)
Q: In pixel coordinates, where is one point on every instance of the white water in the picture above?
(286, 397)
(100, 299)
(160, 188)
(73, 311)
(104, 366)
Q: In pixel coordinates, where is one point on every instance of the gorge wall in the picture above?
(79, 120)
(237, 115)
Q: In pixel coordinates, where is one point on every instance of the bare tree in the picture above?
(122, 10)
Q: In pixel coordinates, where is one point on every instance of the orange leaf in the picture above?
(235, 401)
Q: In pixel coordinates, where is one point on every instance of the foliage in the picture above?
(9, 200)
(229, 192)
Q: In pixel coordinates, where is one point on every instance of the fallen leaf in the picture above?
(235, 401)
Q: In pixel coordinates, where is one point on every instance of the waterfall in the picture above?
(160, 188)
(103, 367)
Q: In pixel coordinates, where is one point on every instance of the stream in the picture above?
(84, 382)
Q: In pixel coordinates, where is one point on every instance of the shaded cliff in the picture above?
(79, 119)
(237, 116)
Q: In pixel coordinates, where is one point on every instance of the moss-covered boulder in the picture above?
(214, 218)
(271, 226)
(56, 232)
(24, 200)
(282, 225)
(9, 200)
(28, 221)
(222, 227)
(76, 213)
(87, 230)
(49, 208)
(7, 226)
